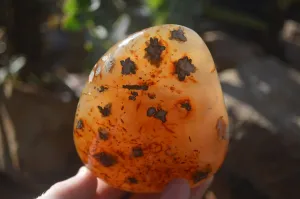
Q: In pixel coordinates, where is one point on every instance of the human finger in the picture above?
(199, 191)
(176, 189)
(104, 191)
(81, 186)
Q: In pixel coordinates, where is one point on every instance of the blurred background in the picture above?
(48, 47)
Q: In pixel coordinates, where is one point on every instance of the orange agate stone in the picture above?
(153, 110)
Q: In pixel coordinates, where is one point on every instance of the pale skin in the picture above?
(84, 185)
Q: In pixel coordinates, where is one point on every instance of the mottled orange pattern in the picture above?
(153, 110)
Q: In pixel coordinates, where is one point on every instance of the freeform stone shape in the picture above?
(153, 110)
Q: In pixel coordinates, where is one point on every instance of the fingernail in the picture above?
(82, 171)
(177, 189)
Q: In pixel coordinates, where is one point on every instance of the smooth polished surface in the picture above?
(153, 110)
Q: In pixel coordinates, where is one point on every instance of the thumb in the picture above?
(177, 189)
(82, 186)
(198, 192)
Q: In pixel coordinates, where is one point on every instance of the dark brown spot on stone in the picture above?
(136, 87)
(79, 124)
(103, 134)
(137, 152)
(151, 111)
(105, 159)
(102, 89)
(184, 67)
(132, 180)
(133, 96)
(186, 105)
(221, 128)
(151, 95)
(106, 110)
(178, 35)
(154, 50)
(161, 115)
(128, 66)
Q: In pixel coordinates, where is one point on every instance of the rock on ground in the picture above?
(36, 138)
(230, 52)
(262, 96)
(291, 41)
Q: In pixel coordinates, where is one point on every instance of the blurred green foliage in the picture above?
(102, 23)
(175, 11)
(73, 11)
(108, 21)
(82, 13)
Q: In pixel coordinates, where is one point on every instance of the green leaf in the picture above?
(72, 23)
(72, 10)
(76, 6)
(70, 7)
(154, 4)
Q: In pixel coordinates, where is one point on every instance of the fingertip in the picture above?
(84, 172)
